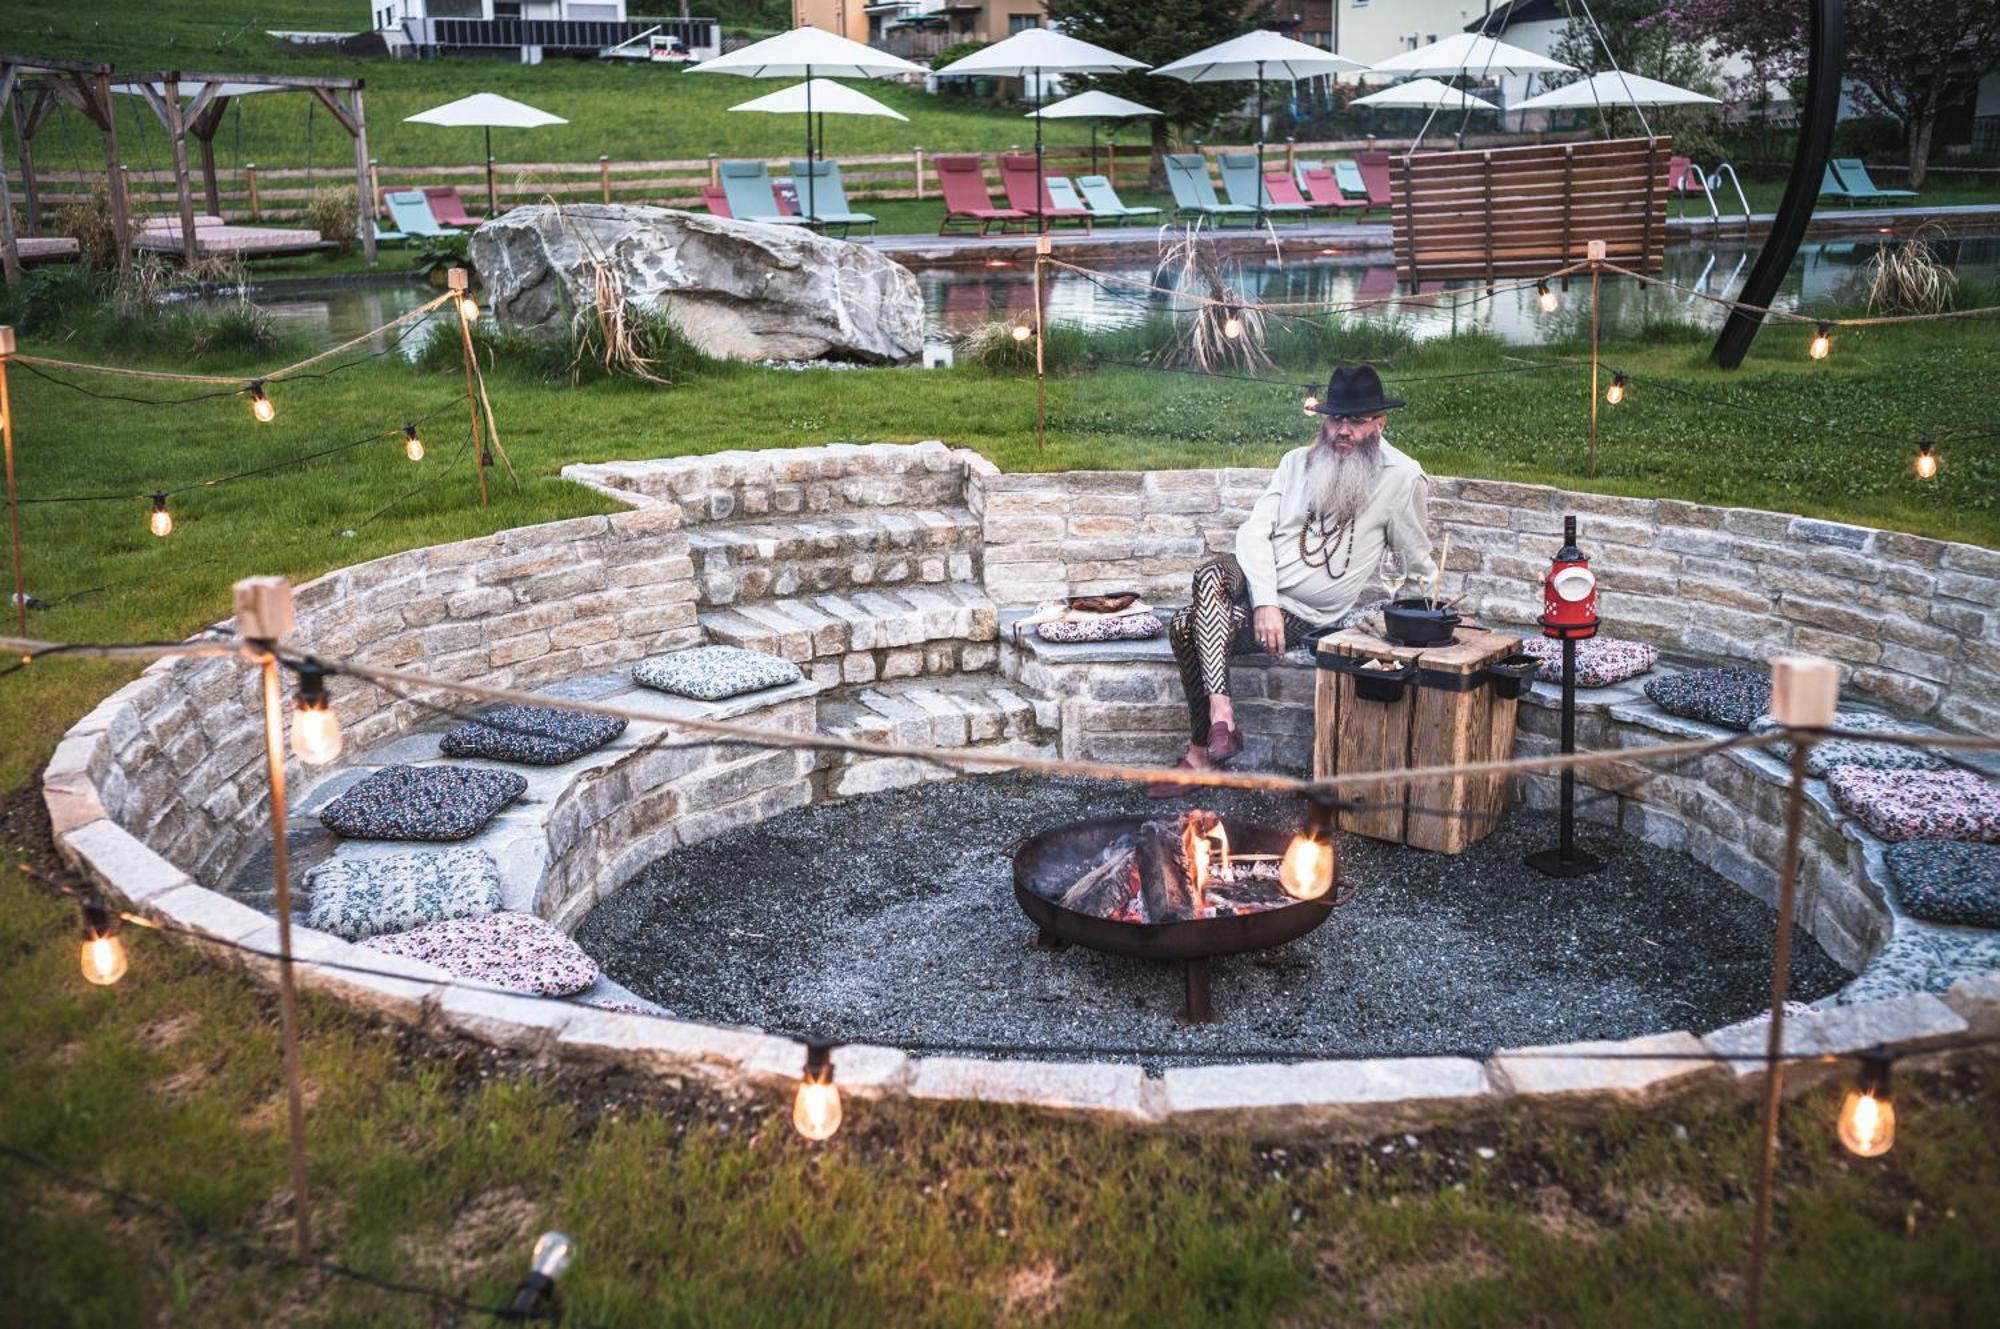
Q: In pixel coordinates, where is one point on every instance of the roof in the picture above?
(1516, 11)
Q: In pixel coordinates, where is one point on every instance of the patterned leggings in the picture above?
(1215, 626)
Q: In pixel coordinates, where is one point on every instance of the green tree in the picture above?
(1158, 31)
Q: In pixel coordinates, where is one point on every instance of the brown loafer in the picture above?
(1171, 788)
(1224, 742)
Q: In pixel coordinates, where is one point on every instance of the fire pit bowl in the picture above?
(1047, 863)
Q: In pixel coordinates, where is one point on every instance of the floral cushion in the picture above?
(712, 673)
(518, 952)
(1114, 627)
(364, 897)
(1948, 882)
(1832, 752)
(422, 803)
(535, 735)
(1731, 696)
(1918, 805)
(1600, 661)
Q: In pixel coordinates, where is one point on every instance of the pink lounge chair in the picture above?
(448, 207)
(963, 184)
(1374, 168)
(1323, 191)
(1285, 190)
(715, 200)
(1019, 177)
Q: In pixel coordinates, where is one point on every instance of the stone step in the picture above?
(957, 713)
(865, 635)
(833, 552)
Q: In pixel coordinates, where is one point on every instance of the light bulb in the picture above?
(1867, 1126)
(413, 447)
(1616, 392)
(1020, 332)
(104, 961)
(1232, 326)
(1307, 870)
(816, 1109)
(261, 405)
(468, 308)
(163, 521)
(316, 738)
(1927, 462)
(554, 1251)
(1822, 342)
(1548, 299)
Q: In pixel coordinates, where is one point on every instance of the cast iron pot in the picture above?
(1418, 622)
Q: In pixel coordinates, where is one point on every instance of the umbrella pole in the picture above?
(1260, 142)
(1041, 181)
(492, 195)
(812, 213)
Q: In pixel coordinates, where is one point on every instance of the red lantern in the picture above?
(1569, 592)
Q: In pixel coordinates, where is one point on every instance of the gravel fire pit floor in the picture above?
(891, 919)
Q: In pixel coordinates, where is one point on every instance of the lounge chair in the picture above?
(1855, 175)
(1194, 196)
(819, 183)
(1024, 183)
(1104, 203)
(234, 241)
(1374, 168)
(752, 198)
(386, 236)
(1240, 178)
(411, 213)
(1284, 192)
(47, 248)
(962, 181)
(715, 200)
(448, 207)
(1323, 191)
(1348, 176)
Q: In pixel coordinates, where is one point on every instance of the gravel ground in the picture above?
(891, 919)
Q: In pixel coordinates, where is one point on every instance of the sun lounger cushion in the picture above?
(422, 803)
(365, 897)
(535, 735)
(518, 952)
(1832, 752)
(1918, 805)
(712, 673)
(1600, 661)
(1731, 696)
(1946, 881)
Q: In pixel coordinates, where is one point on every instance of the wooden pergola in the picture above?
(32, 87)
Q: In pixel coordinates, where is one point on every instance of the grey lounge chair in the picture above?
(1194, 196)
(1103, 200)
(820, 189)
(747, 186)
(1246, 186)
(411, 213)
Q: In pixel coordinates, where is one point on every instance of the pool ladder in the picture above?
(1709, 182)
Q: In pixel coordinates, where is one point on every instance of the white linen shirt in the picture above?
(1395, 516)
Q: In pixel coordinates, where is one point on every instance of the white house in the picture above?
(531, 28)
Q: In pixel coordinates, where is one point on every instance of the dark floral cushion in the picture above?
(1918, 805)
(422, 803)
(1119, 627)
(1730, 696)
(1948, 882)
(535, 735)
(1831, 752)
(713, 673)
(1600, 661)
(518, 952)
(364, 897)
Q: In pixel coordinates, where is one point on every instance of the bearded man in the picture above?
(1311, 547)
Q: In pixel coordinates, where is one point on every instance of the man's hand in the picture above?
(1269, 624)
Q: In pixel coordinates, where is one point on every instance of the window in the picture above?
(1017, 23)
(454, 9)
(506, 8)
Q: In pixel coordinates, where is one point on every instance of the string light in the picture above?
(816, 1110)
(104, 961)
(468, 308)
(413, 447)
(316, 737)
(1307, 870)
(1616, 392)
(1311, 402)
(162, 521)
(1927, 462)
(1232, 324)
(1867, 1126)
(261, 406)
(1822, 342)
(1548, 299)
(554, 1252)
(1020, 332)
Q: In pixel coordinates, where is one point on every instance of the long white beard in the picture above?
(1337, 485)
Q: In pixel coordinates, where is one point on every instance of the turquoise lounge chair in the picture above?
(820, 183)
(1102, 199)
(1246, 186)
(747, 186)
(1063, 194)
(411, 212)
(1194, 196)
(1859, 185)
(387, 237)
(1347, 174)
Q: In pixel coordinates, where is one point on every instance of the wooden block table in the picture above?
(1450, 712)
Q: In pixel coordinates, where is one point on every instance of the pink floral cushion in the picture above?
(1600, 661)
(1918, 805)
(518, 952)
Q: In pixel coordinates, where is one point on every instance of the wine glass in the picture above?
(1391, 573)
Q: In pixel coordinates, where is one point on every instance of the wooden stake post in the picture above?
(13, 498)
(460, 282)
(1043, 247)
(1596, 255)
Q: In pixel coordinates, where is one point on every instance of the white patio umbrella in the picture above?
(488, 111)
(821, 97)
(1468, 53)
(1258, 56)
(1614, 86)
(812, 54)
(1093, 106)
(1031, 54)
(1421, 94)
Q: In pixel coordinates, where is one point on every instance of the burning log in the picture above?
(1174, 869)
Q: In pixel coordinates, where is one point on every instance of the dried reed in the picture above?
(1911, 278)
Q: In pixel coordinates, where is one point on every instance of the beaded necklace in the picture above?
(1320, 555)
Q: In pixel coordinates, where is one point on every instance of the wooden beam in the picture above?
(299, 81)
(364, 195)
(199, 106)
(24, 148)
(339, 108)
(97, 96)
(35, 64)
(167, 102)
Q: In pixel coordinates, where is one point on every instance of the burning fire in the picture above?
(1205, 849)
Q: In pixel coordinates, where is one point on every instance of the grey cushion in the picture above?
(1832, 752)
(365, 897)
(1947, 881)
(1731, 696)
(422, 803)
(535, 735)
(712, 673)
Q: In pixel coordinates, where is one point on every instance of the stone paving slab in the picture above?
(1368, 1097)
(1095, 1088)
(1911, 1021)
(1574, 1077)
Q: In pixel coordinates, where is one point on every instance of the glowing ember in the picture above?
(1175, 869)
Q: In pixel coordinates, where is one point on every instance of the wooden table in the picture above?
(1451, 712)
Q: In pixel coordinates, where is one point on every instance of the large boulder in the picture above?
(736, 289)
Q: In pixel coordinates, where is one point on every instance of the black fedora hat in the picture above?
(1355, 390)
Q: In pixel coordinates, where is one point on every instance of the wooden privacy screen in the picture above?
(1520, 212)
